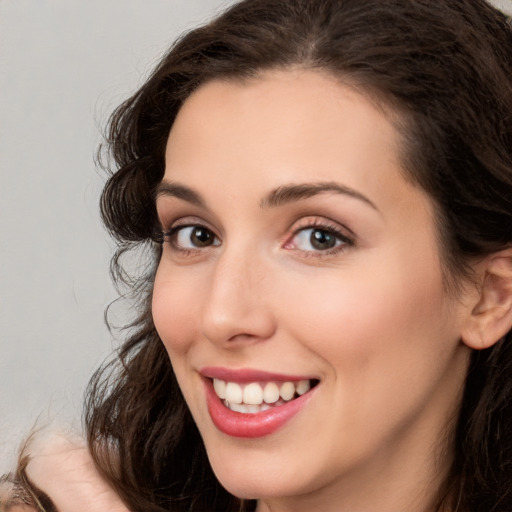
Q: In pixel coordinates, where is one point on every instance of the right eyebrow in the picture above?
(296, 192)
(168, 188)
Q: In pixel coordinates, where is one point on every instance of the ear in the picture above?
(491, 317)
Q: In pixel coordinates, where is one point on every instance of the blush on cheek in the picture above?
(171, 316)
(337, 313)
(364, 315)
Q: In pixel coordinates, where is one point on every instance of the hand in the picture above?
(61, 467)
(13, 497)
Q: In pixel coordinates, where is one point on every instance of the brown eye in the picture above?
(201, 237)
(192, 237)
(317, 239)
(322, 240)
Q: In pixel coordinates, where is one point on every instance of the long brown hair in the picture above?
(446, 67)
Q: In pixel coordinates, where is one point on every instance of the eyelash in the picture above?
(342, 241)
(171, 235)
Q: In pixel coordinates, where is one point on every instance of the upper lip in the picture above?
(244, 375)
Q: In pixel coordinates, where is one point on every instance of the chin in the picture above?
(251, 487)
(262, 475)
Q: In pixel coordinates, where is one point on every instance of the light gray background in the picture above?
(64, 65)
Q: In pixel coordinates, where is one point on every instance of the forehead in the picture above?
(282, 98)
(285, 126)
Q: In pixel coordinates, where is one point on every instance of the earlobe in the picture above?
(491, 316)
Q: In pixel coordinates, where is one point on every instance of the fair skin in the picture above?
(368, 319)
(60, 466)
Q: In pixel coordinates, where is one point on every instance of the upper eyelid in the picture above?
(170, 206)
(328, 229)
(185, 221)
(178, 225)
(344, 239)
(169, 224)
(325, 223)
(308, 222)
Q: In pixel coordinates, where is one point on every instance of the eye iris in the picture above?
(201, 237)
(322, 240)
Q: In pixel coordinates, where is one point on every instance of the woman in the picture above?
(323, 191)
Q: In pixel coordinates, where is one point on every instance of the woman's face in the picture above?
(296, 255)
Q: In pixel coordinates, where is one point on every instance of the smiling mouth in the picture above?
(257, 397)
(250, 403)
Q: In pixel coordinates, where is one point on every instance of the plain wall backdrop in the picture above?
(64, 66)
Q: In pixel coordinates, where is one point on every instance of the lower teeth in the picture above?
(252, 409)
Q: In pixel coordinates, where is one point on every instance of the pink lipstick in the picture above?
(278, 397)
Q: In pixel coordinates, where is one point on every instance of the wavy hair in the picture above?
(445, 67)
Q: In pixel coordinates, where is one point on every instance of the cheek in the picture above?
(174, 305)
(385, 344)
(175, 313)
(359, 319)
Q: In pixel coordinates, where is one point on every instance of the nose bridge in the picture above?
(236, 306)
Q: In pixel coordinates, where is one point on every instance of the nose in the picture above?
(237, 307)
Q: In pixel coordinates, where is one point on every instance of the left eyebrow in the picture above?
(291, 193)
(167, 188)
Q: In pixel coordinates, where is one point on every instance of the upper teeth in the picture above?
(255, 393)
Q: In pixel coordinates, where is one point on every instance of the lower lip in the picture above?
(260, 424)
